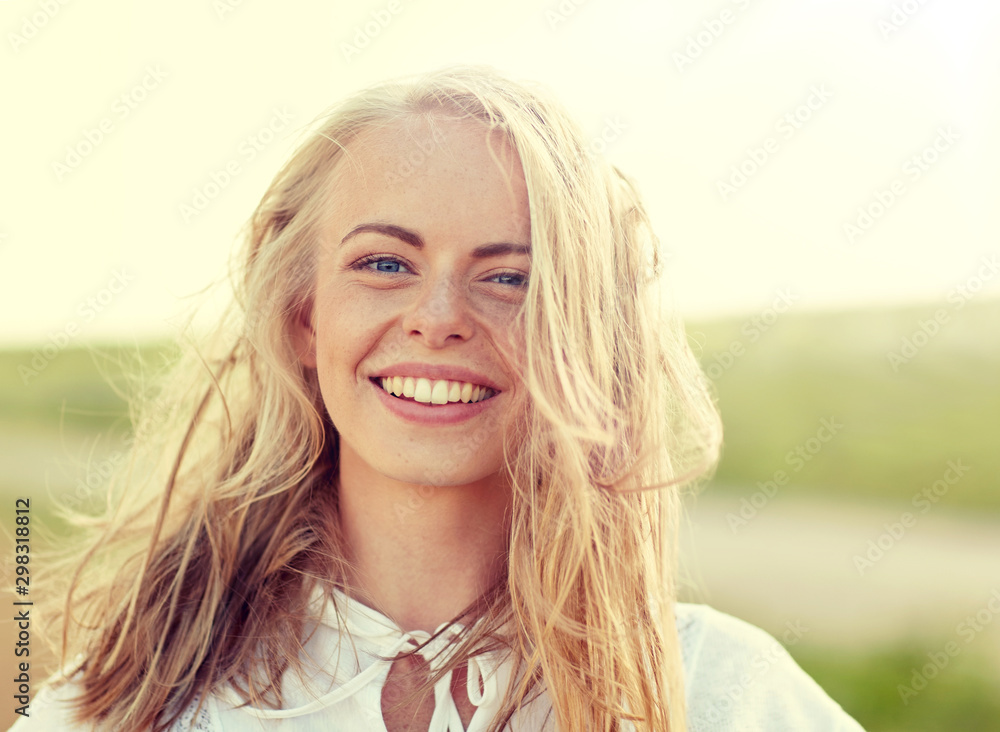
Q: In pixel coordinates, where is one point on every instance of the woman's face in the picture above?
(422, 268)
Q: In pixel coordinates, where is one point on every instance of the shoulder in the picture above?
(737, 677)
(52, 708)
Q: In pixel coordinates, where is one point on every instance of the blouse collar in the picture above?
(382, 636)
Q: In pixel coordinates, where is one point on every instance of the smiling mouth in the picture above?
(433, 391)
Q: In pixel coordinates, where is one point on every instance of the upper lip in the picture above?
(436, 372)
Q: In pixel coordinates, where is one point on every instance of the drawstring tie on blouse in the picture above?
(364, 622)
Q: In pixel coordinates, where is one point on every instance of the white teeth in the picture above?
(440, 391)
(423, 391)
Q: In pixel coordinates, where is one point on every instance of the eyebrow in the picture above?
(493, 249)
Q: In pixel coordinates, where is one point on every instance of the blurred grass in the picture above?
(61, 421)
(961, 697)
(79, 389)
(900, 427)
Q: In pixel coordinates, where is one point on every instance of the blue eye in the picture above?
(387, 264)
(510, 278)
(383, 263)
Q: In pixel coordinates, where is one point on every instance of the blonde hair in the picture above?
(224, 519)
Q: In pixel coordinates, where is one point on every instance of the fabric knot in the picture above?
(385, 640)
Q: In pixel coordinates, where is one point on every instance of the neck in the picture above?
(420, 554)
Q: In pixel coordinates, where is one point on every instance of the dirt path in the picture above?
(811, 561)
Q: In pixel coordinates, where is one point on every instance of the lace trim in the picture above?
(189, 722)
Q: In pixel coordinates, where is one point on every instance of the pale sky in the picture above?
(93, 233)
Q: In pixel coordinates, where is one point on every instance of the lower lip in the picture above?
(438, 414)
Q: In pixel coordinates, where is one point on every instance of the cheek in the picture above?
(507, 334)
(341, 336)
(500, 318)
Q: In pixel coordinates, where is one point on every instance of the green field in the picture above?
(962, 697)
(900, 427)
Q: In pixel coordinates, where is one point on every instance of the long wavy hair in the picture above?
(224, 519)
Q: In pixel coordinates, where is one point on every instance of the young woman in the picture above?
(428, 478)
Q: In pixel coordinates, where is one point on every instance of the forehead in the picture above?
(422, 170)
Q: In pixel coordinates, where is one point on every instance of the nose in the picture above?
(439, 314)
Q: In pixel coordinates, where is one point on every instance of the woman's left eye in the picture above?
(382, 264)
(515, 279)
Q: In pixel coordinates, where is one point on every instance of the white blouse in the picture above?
(737, 677)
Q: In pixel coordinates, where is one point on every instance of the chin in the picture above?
(445, 473)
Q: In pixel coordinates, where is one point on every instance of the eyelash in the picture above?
(362, 264)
